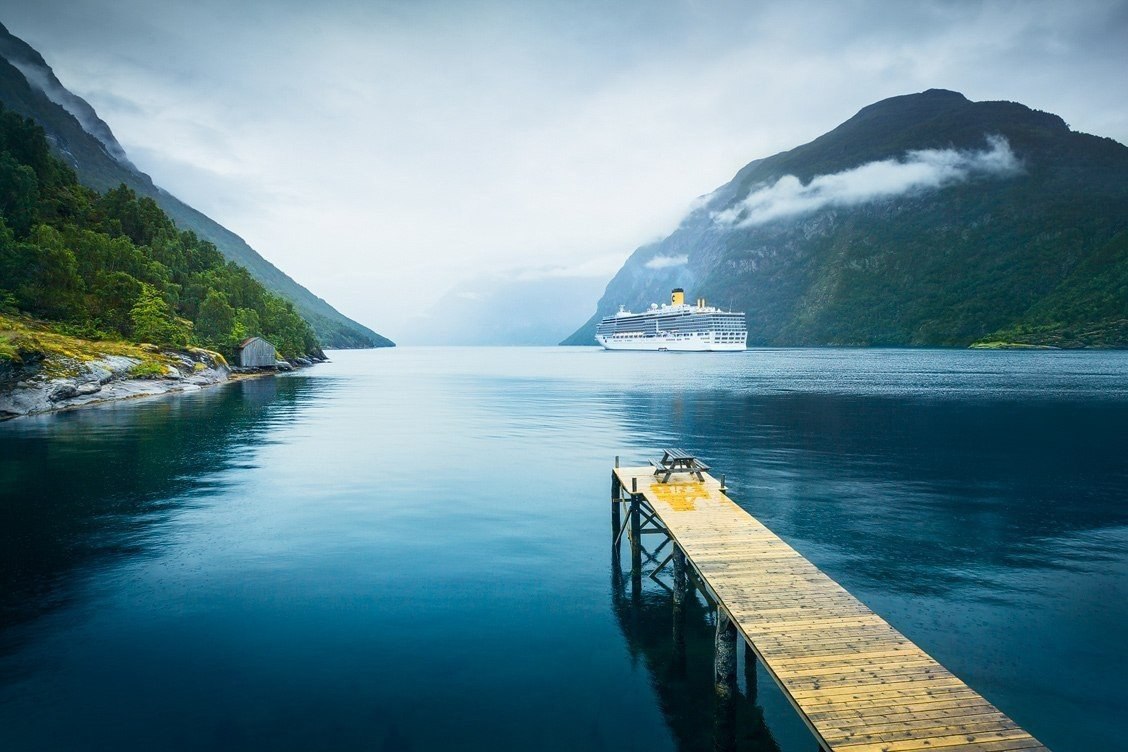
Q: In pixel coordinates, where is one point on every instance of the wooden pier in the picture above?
(858, 683)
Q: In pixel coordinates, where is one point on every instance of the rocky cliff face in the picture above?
(29, 87)
(925, 219)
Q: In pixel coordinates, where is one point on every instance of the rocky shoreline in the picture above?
(35, 390)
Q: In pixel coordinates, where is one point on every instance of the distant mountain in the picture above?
(493, 310)
(29, 87)
(925, 219)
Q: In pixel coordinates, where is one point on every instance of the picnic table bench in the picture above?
(678, 461)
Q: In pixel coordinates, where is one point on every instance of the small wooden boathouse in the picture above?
(256, 352)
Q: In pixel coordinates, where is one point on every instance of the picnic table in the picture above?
(678, 461)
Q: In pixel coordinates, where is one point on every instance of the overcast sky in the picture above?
(379, 152)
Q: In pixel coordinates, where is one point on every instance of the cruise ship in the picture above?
(676, 326)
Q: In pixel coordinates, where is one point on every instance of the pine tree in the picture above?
(216, 319)
(154, 322)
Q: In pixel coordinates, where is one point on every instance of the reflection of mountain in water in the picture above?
(81, 487)
(914, 491)
(681, 669)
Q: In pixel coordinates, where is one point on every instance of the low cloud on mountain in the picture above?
(918, 171)
(665, 262)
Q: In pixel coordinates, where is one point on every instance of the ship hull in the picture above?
(664, 344)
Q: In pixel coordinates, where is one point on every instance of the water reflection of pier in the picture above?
(709, 701)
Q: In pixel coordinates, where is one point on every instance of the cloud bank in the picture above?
(665, 262)
(602, 267)
(917, 172)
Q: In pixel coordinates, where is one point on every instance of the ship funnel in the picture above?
(677, 297)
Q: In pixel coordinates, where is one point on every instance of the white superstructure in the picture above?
(676, 326)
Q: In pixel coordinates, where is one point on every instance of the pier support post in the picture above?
(636, 540)
(724, 674)
(750, 673)
(724, 662)
(616, 500)
(679, 611)
(636, 521)
(679, 577)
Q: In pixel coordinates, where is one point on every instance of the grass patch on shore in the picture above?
(15, 331)
(24, 339)
(148, 369)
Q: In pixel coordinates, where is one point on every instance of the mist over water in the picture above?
(406, 549)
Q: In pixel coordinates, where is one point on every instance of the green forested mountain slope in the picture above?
(114, 266)
(100, 163)
(925, 219)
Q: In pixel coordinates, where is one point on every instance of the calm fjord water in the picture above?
(409, 549)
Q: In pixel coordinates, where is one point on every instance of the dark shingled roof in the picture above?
(248, 341)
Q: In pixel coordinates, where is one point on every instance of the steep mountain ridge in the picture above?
(925, 219)
(29, 87)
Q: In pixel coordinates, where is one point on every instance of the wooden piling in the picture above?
(724, 684)
(636, 540)
(679, 576)
(616, 504)
(724, 657)
(679, 617)
(750, 688)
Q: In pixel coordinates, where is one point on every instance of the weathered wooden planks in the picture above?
(858, 683)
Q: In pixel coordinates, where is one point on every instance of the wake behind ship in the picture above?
(676, 326)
